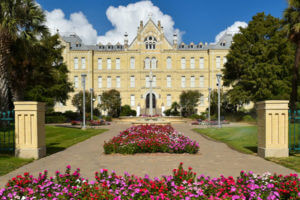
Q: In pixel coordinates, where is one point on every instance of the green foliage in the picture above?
(111, 102)
(195, 116)
(77, 101)
(174, 110)
(127, 111)
(107, 118)
(292, 28)
(248, 118)
(55, 119)
(189, 101)
(70, 115)
(259, 62)
(226, 105)
(39, 70)
(167, 112)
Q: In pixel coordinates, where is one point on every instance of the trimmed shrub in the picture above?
(55, 119)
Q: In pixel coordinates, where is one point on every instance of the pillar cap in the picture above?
(273, 105)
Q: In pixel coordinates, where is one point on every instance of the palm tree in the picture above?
(19, 19)
(292, 26)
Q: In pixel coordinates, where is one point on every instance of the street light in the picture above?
(92, 102)
(209, 93)
(83, 76)
(219, 106)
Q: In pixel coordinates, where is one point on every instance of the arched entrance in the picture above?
(148, 101)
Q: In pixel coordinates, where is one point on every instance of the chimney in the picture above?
(126, 40)
(175, 40)
(141, 24)
(158, 24)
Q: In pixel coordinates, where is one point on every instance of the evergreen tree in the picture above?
(259, 62)
(292, 27)
(111, 102)
(189, 101)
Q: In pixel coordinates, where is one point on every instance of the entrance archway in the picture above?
(148, 101)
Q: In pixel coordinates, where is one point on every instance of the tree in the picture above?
(19, 19)
(225, 103)
(77, 101)
(174, 109)
(259, 62)
(111, 101)
(127, 111)
(189, 101)
(292, 27)
(39, 70)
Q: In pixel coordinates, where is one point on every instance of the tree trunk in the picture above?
(294, 95)
(4, 75)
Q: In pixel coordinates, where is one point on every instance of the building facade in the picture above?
(126, 68)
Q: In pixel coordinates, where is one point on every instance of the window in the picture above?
(192, 81)
(147, 63)
(99, 99)
(224, 60)
(83, 63)
(132, 100)
(183, 81)
(201, 81)
(76, 82)
(169, 63)
(147, 81)
(108, 63)
(182, 63)
(150, 42)
(118, 82)
(192, 63)
(169, 100)
(100, 63)
(118, 63)
(108, 82)
(218, 59)
(201, 63)
(99, 81)
(169, 81)
(153, 63)
(153, 81)
(132, 63)
(202, 101)
(75, 63)
(132, 81)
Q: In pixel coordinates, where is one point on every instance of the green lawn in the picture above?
(244, 139)
(57, 139)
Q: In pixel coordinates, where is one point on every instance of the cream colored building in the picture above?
(126, 68)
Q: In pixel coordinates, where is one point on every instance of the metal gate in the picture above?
(294, 131)
(7, 132)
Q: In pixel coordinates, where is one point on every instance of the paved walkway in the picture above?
(213, 159)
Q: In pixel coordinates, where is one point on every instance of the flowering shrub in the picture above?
(183, 184)
(76, 122)
(149, 139)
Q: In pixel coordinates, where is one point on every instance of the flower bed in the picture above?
(150, 139)
(183, 184)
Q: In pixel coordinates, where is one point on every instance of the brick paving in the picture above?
(214, 158)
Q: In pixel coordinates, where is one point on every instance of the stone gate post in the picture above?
(30, 129)
(273, 128)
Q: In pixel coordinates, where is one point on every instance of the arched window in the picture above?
(150, 42)
(147, 63)
(153, 63)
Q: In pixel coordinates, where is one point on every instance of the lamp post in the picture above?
(92, 101)
(83, 76)
(209, 93)
(219, 106)
(150, 99)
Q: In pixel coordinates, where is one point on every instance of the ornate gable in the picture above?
(150, 37)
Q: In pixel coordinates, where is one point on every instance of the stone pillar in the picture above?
(30, 129)
(273, 128)
(138, 110)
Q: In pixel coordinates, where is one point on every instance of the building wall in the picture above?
(138, 51)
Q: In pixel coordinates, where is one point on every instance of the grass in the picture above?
(244, 139)
(57, 139)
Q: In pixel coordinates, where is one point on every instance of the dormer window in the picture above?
(223, 44)
(150, 42)
(199, 46)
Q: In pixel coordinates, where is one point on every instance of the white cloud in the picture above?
(127, 18)
(123, 19)
(77, 23)
(233, 29)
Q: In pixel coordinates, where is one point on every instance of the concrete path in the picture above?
(213, 159)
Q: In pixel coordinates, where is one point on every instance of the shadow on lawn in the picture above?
(252, 148)
(52, 148)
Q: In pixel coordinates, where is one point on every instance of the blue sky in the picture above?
(197, 20)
